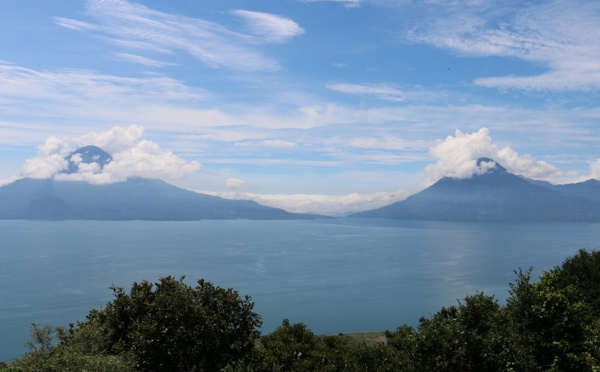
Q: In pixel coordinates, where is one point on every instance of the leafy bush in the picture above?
(165, 326)
(549, 325)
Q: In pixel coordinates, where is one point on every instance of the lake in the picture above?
(342, 275)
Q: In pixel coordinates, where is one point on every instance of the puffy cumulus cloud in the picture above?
(234, 183)
(132, 156)
(457, 157)
(50, 158)
(331, 205)
(148, 160)
(114, 140)
(595, 169)
(527, 166)
(44, 166)
(55, 145)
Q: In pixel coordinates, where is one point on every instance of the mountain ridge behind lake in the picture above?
(134, 199)
(497, 196)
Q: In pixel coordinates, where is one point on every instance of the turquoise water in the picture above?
(334, 275)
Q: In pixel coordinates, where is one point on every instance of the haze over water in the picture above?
(333, 275)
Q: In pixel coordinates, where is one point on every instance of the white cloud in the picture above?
(45, 166)
(39, 97)
(225, 135)
(383, 91)
(83, 85)
(142, 60)
(135, 26)
(331, 205)
(74, 24)
(595, 169)
(9, 180)
(526, 165)
(276, 143)
(114, 140)
(270, 27)
(346, 3)
(279, 144)
(68, 99)
(385, 143)
(132, 156)
(457, 157)
(563, 36)
(234, 183)
(148, 160)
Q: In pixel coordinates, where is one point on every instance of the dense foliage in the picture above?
(549, 325)
(165, 326)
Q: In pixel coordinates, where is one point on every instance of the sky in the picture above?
(326, 106)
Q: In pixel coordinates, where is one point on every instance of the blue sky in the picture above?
(312, 105)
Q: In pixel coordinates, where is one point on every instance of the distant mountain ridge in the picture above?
(497, 196)
(135, 199)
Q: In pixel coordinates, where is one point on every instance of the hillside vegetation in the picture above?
(552, 324)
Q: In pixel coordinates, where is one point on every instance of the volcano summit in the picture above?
(496, 195)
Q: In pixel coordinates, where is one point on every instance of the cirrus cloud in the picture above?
(386, 92)
(276, 143)
(270, 27)
(346, 3)
(561, 36)
(134, 26)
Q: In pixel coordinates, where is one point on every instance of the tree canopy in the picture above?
(549, 325)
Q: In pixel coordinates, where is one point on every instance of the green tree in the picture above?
(291, 347)
(404, 340)
(467, 337)
(549, 325)
(40, 344)
(553, 324)
(170, 326)
(378, 357)
(334, 354)
(71, 354)
(581, 271)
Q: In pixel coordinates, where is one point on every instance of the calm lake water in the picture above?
(333, 275)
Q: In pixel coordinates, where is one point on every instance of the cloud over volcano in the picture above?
(131, 156)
